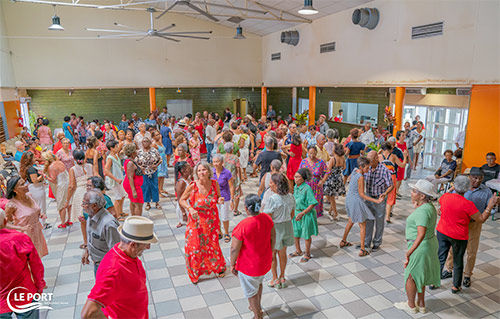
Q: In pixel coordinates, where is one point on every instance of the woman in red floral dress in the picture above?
(202, 251)
(198, 125)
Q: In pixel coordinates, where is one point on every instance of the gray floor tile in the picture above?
(324, 301)
(162, 283)
(359, 308)
(187, 291)
(198, 314)
(216, 297)
(367, 275)
(331, 285)
(168, 308)
(291, 294)
(364, 291)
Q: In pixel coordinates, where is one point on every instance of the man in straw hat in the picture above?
(480, 195)
(120, 290)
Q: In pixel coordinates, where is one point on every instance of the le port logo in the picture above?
(20, 300)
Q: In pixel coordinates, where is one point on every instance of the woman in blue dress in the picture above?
(354, 149)
(162, 169)
(166, 136)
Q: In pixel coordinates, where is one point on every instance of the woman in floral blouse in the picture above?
(148, 160)
(202, 251)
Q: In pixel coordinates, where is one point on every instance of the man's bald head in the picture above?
(373, 158)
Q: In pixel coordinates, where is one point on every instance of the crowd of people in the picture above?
(92, 167)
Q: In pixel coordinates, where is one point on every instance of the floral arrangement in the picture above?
(302, 118)
(388, 117)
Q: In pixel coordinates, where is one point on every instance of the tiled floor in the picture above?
(336, 283)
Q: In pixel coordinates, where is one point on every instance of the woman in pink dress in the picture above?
(23, 213)
(194, 147)
(45, 135)
(318, 171)
(65, 155)
(133, 180)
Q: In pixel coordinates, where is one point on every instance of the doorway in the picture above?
(179, 108)
(240, 107)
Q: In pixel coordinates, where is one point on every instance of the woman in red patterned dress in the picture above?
(202, 251)
(198, 125)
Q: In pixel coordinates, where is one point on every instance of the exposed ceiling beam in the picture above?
(286, 12)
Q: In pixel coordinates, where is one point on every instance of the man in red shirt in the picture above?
(251, 252)
(453, 227)
(120, 290)
(20, 266)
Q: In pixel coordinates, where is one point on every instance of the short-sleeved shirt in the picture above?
(425, 216)
(490, 172)
(264, 160)
(120, 286)
(479, 196)
(280, 206)
(446, 166)
(102, 234)
(18, 156)
(255, 256)
(355, 148)
(30, 171)
(223, 180)
(456, 211)
(304, 197)
(378, 180)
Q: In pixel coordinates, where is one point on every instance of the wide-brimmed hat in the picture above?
(425, 187)
(181, 123)
(138, 229)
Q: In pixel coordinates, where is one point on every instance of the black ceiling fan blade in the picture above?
(229, 7)
(206, 14)
(167, 38)
(166, 28)
(167, 10)
(188, 36)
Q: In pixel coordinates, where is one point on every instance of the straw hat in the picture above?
(425, 187)
(181, 123)
(138, 229)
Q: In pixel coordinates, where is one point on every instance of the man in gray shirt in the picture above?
(323, 126)
(102, 228)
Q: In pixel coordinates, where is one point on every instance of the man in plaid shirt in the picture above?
(378, 184)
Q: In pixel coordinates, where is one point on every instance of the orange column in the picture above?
(263, 101)
(483, 125)
(398, 109)
(312, 105)
(152, 99)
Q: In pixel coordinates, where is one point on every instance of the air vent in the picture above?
(392, 90)
(235, 19)
(276, 56)
(428, 30)
(418, 91)
(463, 91)
(327, 47)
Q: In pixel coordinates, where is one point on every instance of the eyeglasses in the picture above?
(85, 204)
(88, 185)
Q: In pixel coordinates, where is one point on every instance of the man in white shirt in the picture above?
(367, 136)
(460, 140)
(210, 134)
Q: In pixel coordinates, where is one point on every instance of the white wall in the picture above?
(76, 58)
(467, 53)
(6, 71)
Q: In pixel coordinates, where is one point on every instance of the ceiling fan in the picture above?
(189, 3)
(151, 32)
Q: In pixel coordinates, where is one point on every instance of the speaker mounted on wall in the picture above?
(366, 17)
(290, 37)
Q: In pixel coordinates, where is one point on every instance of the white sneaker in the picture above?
(330, 217)
(403, 305)
(421, 309)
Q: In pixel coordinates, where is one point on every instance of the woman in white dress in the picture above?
(78, 176)
(58, 178)
(244, 144)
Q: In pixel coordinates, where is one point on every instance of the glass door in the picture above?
(442, 127)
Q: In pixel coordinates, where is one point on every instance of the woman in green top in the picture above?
(305, 223)
(422, 263)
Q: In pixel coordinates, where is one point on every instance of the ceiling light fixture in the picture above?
(308, 8)
(239, 34)
(56, 22)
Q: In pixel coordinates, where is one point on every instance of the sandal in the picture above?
(363, 253)
(83, 246)
(227, 238)
(388, 221)
(455, 291)
(148, 206)
(179, 225)
(62, 226)
(273, 283)
(305, 258)
(282, 283)
(69, 223)
(222, 274)
(344, 243)
(236, 213)
(123, 214)
(295, 254)
(158, 206)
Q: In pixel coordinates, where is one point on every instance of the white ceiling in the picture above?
(262, 26)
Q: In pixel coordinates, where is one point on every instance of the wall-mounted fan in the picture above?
(129, 32)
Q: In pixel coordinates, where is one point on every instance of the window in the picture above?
(357, 113)
(330, 110)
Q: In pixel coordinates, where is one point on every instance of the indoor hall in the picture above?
(201, 80)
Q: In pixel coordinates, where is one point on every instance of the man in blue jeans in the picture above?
(210, 133)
